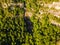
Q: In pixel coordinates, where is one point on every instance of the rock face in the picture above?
(58, 43)
(55, 13)
(21, 5)
(4, 5)
(28, 14)
(55, 5)
(55, 23)
(56, 8)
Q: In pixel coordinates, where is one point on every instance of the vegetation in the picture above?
(18, 29)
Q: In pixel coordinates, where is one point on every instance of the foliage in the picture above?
(21, 30)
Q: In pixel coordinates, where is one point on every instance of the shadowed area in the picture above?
(28, 24)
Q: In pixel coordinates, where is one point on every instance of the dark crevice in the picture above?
(29, 25)
(27, 21)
